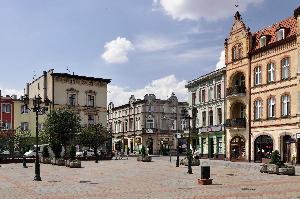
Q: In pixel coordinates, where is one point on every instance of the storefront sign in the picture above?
(298, 135)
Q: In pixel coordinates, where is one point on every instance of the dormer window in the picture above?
(263, 41)
(280, 34)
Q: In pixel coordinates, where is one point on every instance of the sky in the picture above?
(144, 46)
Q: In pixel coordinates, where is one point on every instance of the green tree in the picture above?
(72, 152)
(45, 152)
(62, 125)
(22, 140)
(93, 136)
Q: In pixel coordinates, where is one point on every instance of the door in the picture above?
(298, 151)
(211, 142)
(131, 147)
(286, 151)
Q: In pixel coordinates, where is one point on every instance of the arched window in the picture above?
(211, 118)
(234, 53)
(271, 72)
(257, 75)
(150, 122)
(271, 107)
(285, 68)
(285, 105)
(257, 109)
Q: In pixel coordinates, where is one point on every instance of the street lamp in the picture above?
(186, 115)
(38, 109)
(177, 149)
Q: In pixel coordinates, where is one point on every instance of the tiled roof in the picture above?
(290, 25)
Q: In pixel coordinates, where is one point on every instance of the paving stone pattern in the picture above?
(129, 179)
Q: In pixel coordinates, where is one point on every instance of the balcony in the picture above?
(239, 123)
(236, 91)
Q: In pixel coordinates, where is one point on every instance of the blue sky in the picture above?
(142, 45)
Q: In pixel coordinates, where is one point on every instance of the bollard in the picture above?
(205, 176)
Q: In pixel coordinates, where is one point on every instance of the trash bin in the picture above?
(205, 172)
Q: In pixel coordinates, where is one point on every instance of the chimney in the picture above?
(27, 89)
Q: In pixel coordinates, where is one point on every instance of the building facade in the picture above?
(7, 112)
(152, 123)
(86, 96)
(262, 90)
(207, 94)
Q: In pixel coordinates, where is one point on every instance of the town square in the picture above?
(150, 99)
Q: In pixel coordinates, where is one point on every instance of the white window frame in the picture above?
(5, 108)
(285, 105)
(285, 67)
(74, 100)
(91, 100)
(271, 72)
(257, 75)
(263, 41)
(280, 34)
(24, 126)
(258, 109)
(271, 107)
(150, 122)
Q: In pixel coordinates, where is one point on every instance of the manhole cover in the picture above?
(248, 189)
(84, 181)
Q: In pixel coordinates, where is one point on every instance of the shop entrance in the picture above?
(263, 147)
(286, 148)
(298, 151)
(237, 149)
(211, 147)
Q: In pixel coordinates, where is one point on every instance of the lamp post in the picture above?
(186, 115)
(38, 109)
(177, 150)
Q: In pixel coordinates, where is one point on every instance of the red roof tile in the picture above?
(290, 25)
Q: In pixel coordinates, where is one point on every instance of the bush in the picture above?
(72, 152)
(276, 158)
(143, 151)
(56, 148)
(45, 152)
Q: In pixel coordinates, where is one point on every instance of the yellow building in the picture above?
(263, 90)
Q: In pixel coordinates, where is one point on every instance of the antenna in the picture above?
(68, 69)
(34, 75)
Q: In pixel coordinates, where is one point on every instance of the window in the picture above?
(91, 120)
(234, 53)
(24, 126)
(220, 143)
(285, 107)
(138, 124)
(257, 109)
(40, 126)
(183, 124)
(203, 96)
(72, 99)
(24, 109)
(219, 110)
(219, 91)
(242, 108)
(211, 118)
(271, 107)
(6, 108)
(91, 100)
(193, 98)
(204, 118)
(210, 93)
(280, 34)
(285, 68)
(126, 126)
(173, 126)
(257, 76)
(271, 72)
(263, 41)
(150, 123)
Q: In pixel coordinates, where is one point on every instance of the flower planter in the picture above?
(146, 159)
(75, 164)
(288, 170)
(272, 168)
(60, 162)
(264, 168)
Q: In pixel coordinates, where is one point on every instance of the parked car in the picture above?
(89, 153)
(32, 152)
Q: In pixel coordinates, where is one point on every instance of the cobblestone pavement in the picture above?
(117, 179)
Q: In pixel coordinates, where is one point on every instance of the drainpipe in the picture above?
(225, 116)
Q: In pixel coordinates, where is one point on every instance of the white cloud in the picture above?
(221, 62)
(162, 88)
(154, 43)
(210, 10)
(198, 53)
(11, 91)
(116, 51)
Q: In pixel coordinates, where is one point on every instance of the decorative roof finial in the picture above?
(237, 15)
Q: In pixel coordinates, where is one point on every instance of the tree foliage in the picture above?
(61, 126)
(22, 140)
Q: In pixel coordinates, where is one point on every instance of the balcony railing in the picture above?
(236, 123)
(236, 90)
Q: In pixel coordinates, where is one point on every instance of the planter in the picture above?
(46, 160)
(75, 164)
(264, 168)
(272, 168)
(288, 170)
(146, 159)
(60, 162)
